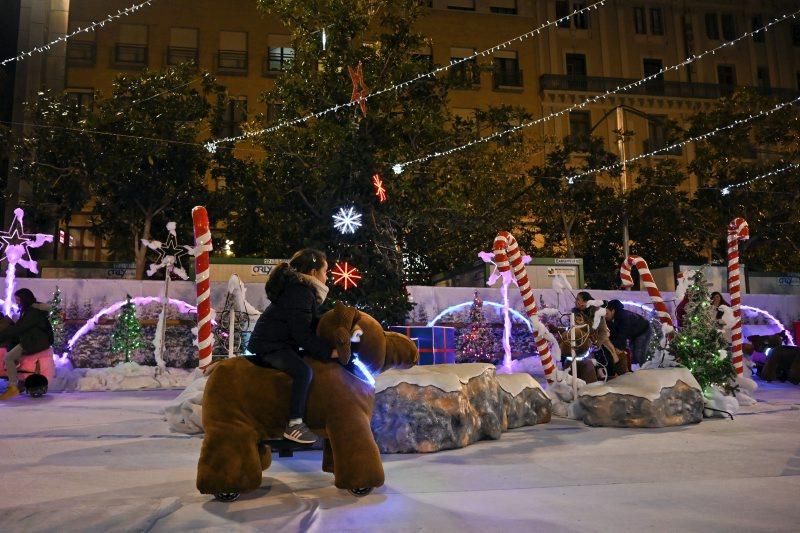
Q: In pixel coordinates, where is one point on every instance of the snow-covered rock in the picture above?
(439, 407)
(658, 397)
(718, 404)
(562, 393)
(122, 377)
(184, 413)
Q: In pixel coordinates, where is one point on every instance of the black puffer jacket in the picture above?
(290, 321)
(626, 326)
(32, 331)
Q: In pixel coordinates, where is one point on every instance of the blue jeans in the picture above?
(639, 346)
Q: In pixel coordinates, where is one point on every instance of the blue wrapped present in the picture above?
(436, 344)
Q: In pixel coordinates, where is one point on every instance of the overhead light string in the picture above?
(91, 27)
(398, 167)
(211, 145)
(726, 190)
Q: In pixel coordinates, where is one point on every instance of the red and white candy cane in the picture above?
(202, 242)
(508, 257)
(649, 283)
(738, 230)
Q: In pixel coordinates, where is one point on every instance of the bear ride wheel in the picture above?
(227, 496)
(361, 492)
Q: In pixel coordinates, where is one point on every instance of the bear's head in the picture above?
(762, 342)
(350, 330)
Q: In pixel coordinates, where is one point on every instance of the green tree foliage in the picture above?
(126, 338)
(698, 345)
(441, 212)
(56, 315)
(736, 155)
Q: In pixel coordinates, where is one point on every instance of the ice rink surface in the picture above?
(106, 462)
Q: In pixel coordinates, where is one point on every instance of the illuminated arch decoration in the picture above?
(457, 307)
(183, 307)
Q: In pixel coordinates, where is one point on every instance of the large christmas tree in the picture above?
(477, 343)
(127, 335)
(699, 345)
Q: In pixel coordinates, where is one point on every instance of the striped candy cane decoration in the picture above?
(508, 258)
(738, 230)
(647, 280)
(202, 240)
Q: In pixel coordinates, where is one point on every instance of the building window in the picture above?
(580, 125)
(465, 74)
(423, 57)
(581, 19)
(762, 77)
(131, 49)
(461, 5)
(656, 21)
(639, 21)
(81, 49)
(79, 244)
(506, 70)
(758, 22)
(796, 33)
(232, 54)
(562, 11)
(235, 116)
(728, 27)
(657, 137)
(182, 46)
(652, 66)
(279, 58)
(726, 76)
(83, 98)
(712, 26)
(273, 112)
(576, 65)
(504, 7)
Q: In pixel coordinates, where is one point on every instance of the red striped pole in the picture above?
(738, 230)
(508, 258)
(202, 241)
(649, 283)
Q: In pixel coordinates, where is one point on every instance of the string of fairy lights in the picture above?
(211, 145)
(398, 167)
(725, 191)
(111, 17)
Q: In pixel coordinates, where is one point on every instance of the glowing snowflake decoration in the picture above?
(380, 190)
(345, 275)
(15, 245)
(169, 254)
(347, 220)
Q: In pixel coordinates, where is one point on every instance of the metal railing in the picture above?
(81, 54)
(130, 55)
(680, 89)
(181, 54)
(506, 78)
(232, 62)
(466, 75)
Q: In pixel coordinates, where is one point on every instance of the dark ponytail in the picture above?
(302, 262)
(26, 298)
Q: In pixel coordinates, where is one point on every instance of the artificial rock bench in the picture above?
(439, 407)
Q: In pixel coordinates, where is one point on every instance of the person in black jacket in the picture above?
(33, 333)
(286, 331)
(628, 327)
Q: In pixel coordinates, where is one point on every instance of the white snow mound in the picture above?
(514, 384)
(184, 413)
(644, 383)
(447, 378)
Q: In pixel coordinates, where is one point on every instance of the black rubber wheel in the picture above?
(227, 496)
(361, 492)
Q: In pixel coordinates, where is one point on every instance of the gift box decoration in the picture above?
(436, 344)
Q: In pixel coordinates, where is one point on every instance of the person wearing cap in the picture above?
(628, 328)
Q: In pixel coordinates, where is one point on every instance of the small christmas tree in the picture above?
(699, 345)
(477, 343)
(56, 316)
(127, 335)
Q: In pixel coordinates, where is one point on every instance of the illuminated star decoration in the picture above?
(169, 254)
(380, 190)
(360, 89)
(16, 245)
(347, 220)
(345, 275)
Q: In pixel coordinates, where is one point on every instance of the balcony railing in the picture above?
(679, 89)
(232, 62)
(507, 79)
(274, 64)
(466, 75)
(130, 55)
(181, 54)
(81, 54)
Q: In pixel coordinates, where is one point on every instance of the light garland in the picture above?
(91, 27)
(211, 146)
(398, 167)
(571, 179)
(727, 189)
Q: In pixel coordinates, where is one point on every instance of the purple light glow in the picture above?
(456, 307)
(16, 245)
(182, 306)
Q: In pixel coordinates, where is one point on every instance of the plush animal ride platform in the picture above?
(246, 408)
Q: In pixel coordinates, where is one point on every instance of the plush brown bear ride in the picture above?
(246, 405)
